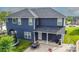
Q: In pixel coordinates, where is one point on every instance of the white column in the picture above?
(34, 24)
(40, 35)
(47, 38)
(34, 38)
(64, 22)
(62, 38)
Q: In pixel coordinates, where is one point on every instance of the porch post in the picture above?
(62, 38)
(34, 38)
(34, 23)
(47, 38)
(64, 22)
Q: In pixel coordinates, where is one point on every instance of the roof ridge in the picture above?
(31, 13)
(35, 15)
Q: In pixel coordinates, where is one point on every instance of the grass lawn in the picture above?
(72, 35)
(24, 44)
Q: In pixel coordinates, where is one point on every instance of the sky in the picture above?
(67, 11)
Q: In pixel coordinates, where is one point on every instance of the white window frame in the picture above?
(59, 21)
(30, 21)
(27, 35)
(13, 20)
(19, 21)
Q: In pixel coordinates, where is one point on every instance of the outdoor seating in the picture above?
(35, 45)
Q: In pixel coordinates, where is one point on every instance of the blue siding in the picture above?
(48, 22)
(26, 28)
(20, 28)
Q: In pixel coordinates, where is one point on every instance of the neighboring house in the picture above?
(3, 27)
(37, 24)
(75, 20)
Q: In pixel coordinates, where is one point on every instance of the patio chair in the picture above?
(35, 45)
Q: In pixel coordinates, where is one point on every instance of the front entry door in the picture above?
(39, 36)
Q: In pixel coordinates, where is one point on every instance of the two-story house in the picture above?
(37, 24)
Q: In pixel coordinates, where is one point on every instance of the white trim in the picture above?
(40, 35)
(45, 32)
(34, 24)
(30, 21)
(59, 21)
(64, 22)
(16, 19)
(62, 38)
(27, 34)
(32, 13)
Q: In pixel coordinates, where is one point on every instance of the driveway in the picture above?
(45, 47)
(42, 48)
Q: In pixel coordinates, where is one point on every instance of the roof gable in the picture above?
(22, 14)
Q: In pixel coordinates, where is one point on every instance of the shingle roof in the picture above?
(22, 14)
(38, 13)
(47, 13)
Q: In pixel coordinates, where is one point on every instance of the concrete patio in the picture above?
(45, 47)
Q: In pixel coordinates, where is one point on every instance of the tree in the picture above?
(69, 19)
(3, 15)
(6, 43)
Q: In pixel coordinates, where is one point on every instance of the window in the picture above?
(27, 35)
(59, 22)
(19, 21)
(30, 21)
(14, 20)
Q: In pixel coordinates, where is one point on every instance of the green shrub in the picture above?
(6, 43)
(23, 44)
(69, 39)
(72, 35)
(75, 32)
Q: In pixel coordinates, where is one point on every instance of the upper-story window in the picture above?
(19, 21)
(30, 21)
(14, 20)
(59, 21)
